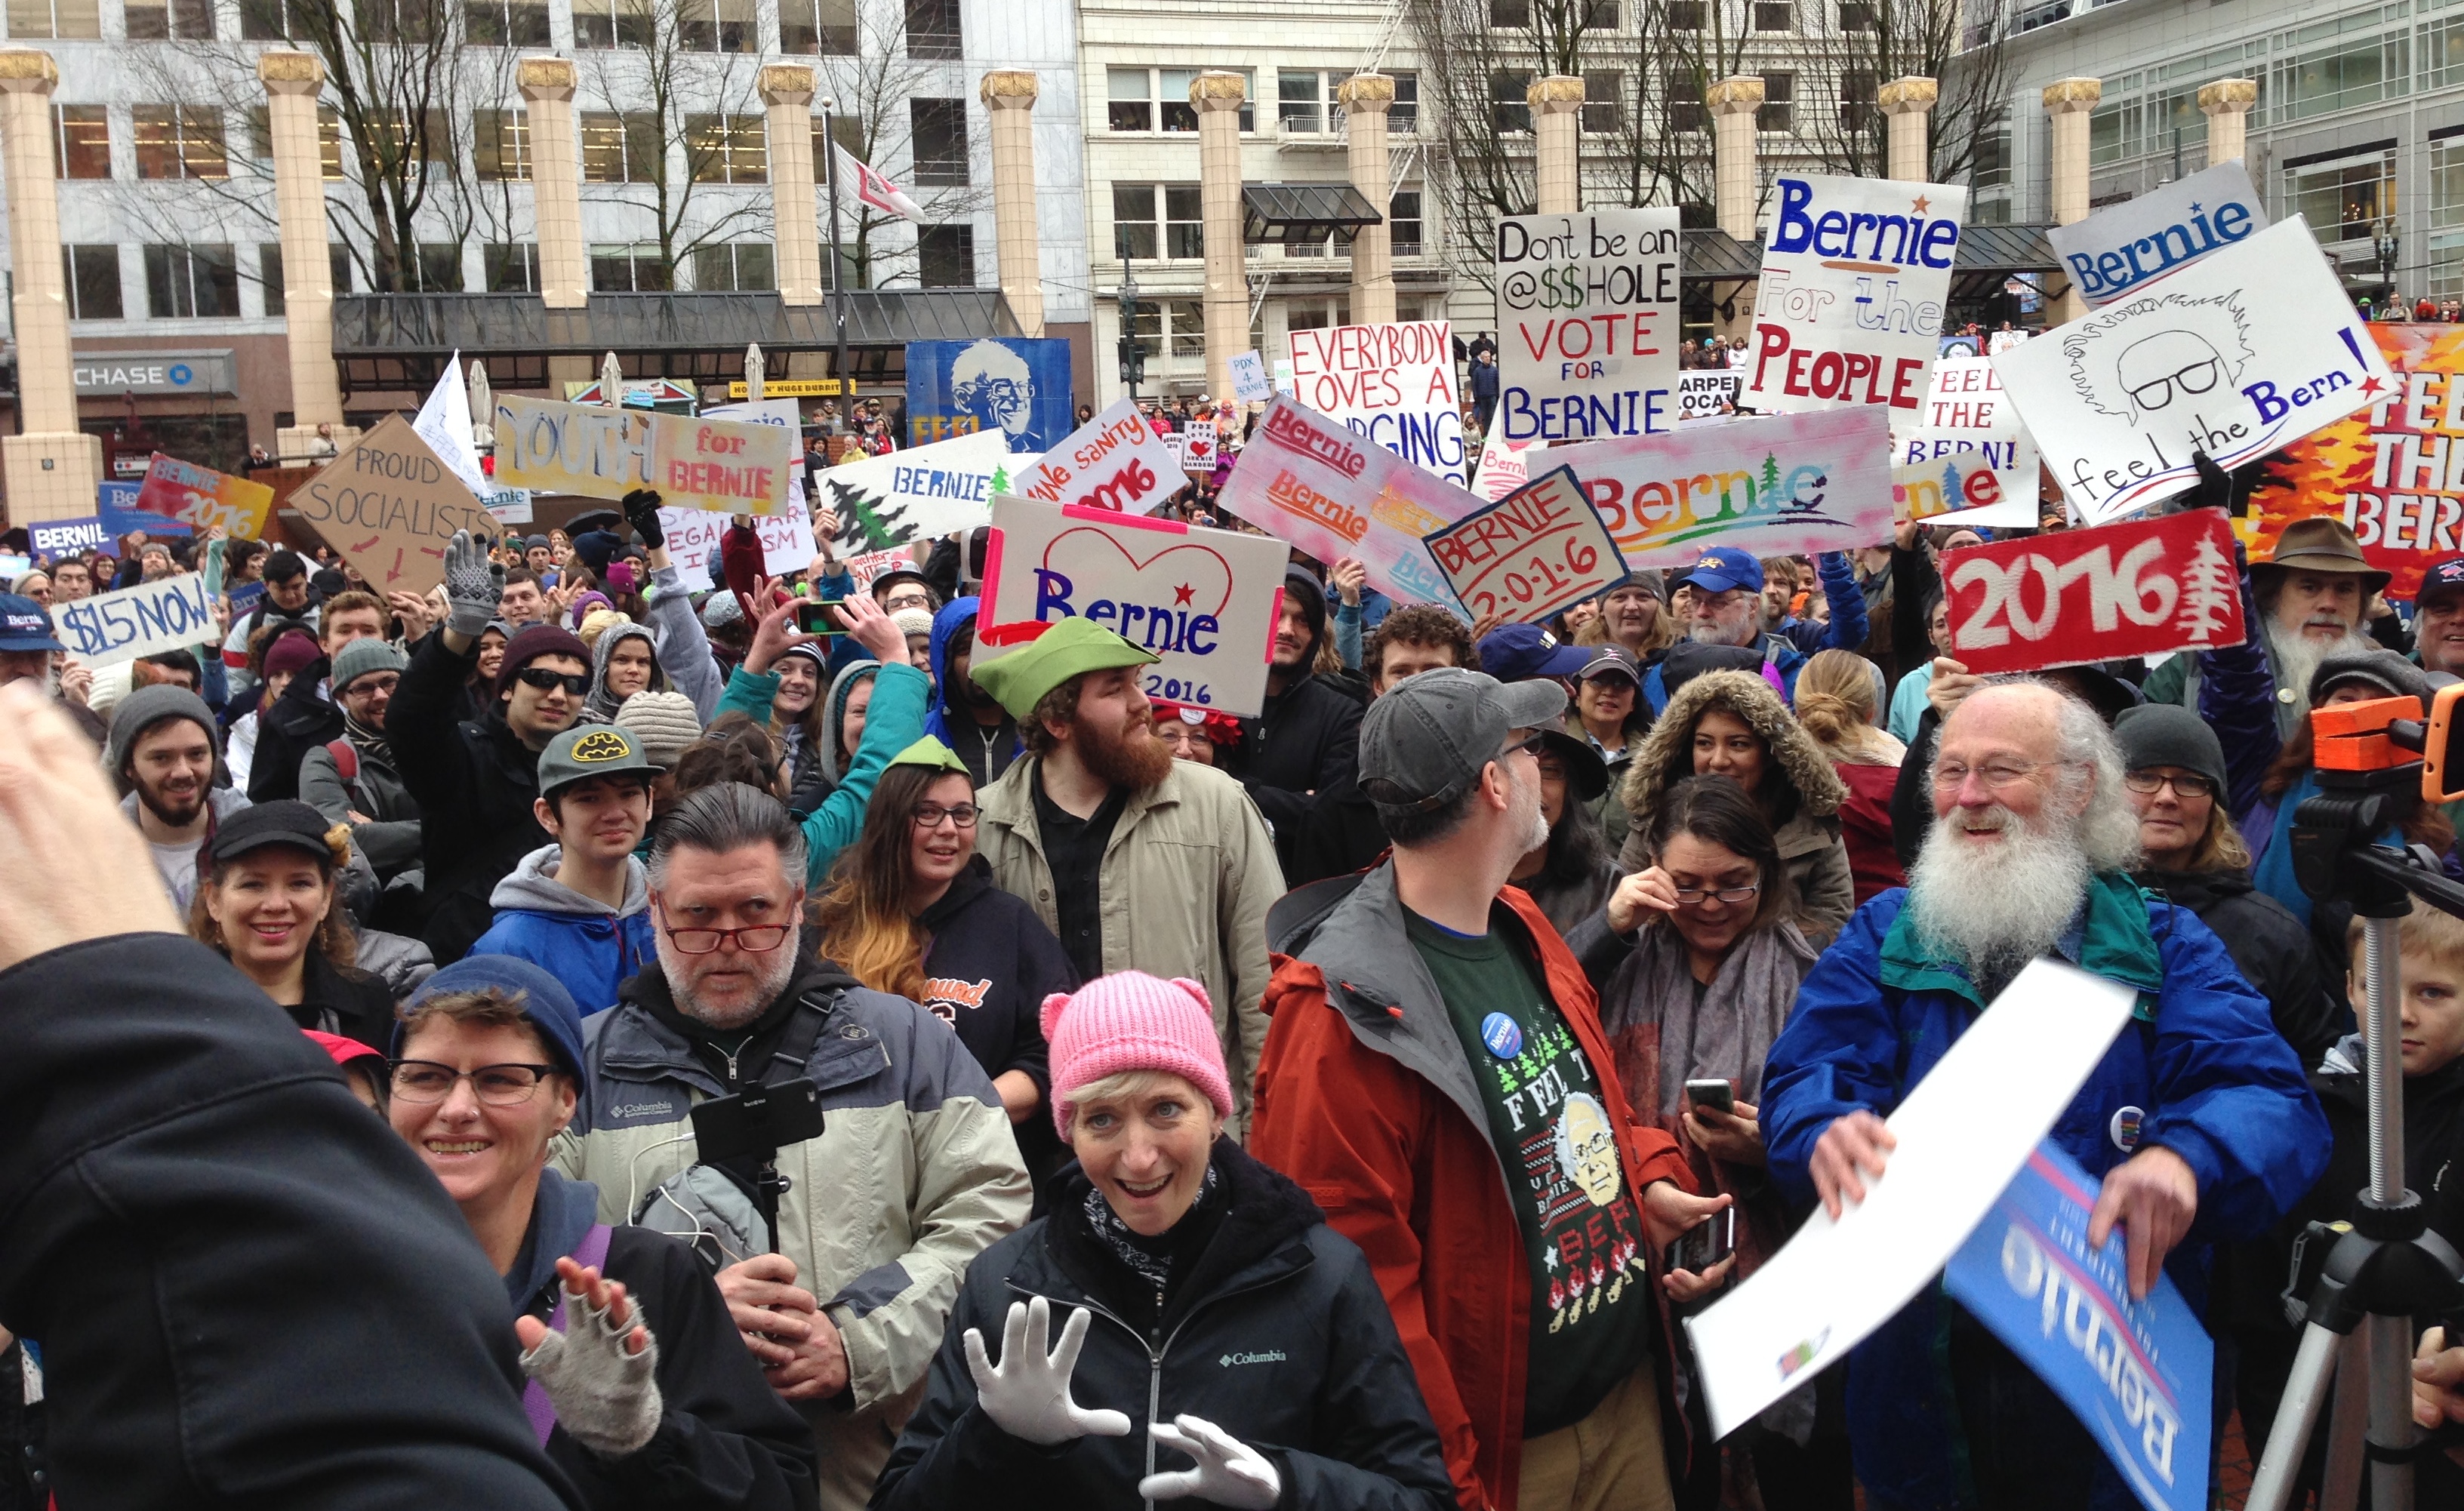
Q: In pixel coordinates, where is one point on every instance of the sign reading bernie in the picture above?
(389, 504)
(694, 462)
(1853, 280)
(1540, 549)
(2118, 250)
(1393, 384)
(2137, 588)
(920, 493)
(203, 498)
(1588, 345)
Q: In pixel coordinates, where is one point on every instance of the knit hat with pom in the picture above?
(1133, 1022)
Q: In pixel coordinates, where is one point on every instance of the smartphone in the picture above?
(1705, 1245)
(813, 616)
(758, 1122)
(1718, 1095)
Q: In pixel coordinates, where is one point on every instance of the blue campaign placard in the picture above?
(58, 538)
(117, 505)
(1016, 385)
(2139, 1375)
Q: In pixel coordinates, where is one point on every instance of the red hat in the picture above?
(344, 1050)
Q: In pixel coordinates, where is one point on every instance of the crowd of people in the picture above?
(742, 1061)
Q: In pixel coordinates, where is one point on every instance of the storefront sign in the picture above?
(787, 388)
(107, 375)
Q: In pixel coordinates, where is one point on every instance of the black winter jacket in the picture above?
(2273, 951)
(315, 1326)
(989, 967)
(1308, 740)
(351, 1003)
(1276, 1332)
(474, 782)
(298, 722)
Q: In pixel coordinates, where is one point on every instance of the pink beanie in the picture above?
(1133, 1022)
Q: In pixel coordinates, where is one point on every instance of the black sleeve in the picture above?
(951, 1455)
(1375, 1448)
(1338, 765)
(1912, 798)
(1044, 968)
(273, 771)
(942, 568)
(1913, 581)
(419, 725)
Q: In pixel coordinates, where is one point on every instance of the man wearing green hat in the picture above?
(1135, 860)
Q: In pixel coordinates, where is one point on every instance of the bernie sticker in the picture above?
(1502, 1036)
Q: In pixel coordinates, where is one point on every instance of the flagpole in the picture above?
(838, 273)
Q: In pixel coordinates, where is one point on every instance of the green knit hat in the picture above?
(930, 751)
(1019, 681)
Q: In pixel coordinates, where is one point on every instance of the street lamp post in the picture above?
(837, 266)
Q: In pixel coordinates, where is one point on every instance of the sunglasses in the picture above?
(574, 684)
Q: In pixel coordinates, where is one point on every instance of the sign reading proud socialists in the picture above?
(1853, 286)
(1590, 339)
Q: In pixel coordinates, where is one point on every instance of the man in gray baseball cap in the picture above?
(1431, 1032)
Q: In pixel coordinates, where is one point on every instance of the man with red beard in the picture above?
(1135, 860)
(163, 752)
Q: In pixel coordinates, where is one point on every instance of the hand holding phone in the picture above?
(820, 617)
(1717, 1094)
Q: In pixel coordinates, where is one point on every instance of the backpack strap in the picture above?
(591, 1253)
(346, 759)
(796, 1044)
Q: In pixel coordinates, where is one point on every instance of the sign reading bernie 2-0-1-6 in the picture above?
(146, 620)
(1540, 549)
(599, 452)
(1117, 460)
(2120, 249)
(389, 504)
(2137, 588)
(1589, 343)
(1393, 384)
(1853, 281)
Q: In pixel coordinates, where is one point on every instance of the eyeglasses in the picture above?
(1996, 776)
(1695, 896)
(1519, 747)
(754, 939)
(2184, 785)
(928, 815)
(2196, 379)
(421, 1082)
(540, 677)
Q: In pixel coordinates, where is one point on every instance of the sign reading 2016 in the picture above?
(1849, 310)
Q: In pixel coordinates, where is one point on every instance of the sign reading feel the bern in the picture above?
(1588, 345)
(389, 504)
(1853, 280)
(2136, 588)
(720, 465)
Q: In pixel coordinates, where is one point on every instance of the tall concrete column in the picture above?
(787, 96)
(1734, 193)
(1366, 98)
(2068, 101)
(1908, 104)
(2227, 103)
(293, 81)
(1217, 94)
(556, 180)
(1556, 104)
(1009, 95)
(50, 470)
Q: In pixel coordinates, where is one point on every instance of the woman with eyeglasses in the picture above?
(910, 909)
(640, 1387)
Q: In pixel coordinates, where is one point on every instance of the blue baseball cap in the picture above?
(1720, 569)
(2446, 577)
(25, 624)
(1520, 652)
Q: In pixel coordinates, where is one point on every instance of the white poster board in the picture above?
(694, 537)
(1249, 383)
(1198, 446)
(1392, 385)
(1965, 411)
(1117, 460)
(1503, 468)
(920, 493)
(166, 614)
(1705, 393)
(2121, 248)
(1855, 276)
(1589, 342)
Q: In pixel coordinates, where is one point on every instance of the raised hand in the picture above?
(642, 512)
(1027, 1396)
(601, 1371)
(774, 631)
(473, 586)
(1638, 896)
(870, 626)
(1229, 1472)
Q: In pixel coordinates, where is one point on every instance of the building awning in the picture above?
(1304, 214)
(1989, 256)
(393, 342)
(1708, 255)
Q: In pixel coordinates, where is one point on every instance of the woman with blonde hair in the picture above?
(1839, 694)
(268, 900)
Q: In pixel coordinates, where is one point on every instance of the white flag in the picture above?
(875, 188)
(444, 422)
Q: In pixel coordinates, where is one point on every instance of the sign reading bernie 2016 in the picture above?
(1588, 344)
(1853, 281)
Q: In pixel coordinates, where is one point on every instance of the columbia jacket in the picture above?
(1365, 1100)
(475, 781)
(2201, 1063)
(894, 721)
(571, 936)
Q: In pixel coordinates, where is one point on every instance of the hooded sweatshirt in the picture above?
(831, 760)
(571, 936)
(986, 749)
(604, 703)
(988, 967)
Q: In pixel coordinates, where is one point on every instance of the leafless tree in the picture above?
(869, 91)
(1854, 50)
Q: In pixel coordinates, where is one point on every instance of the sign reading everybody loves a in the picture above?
(1853, 280)
(1393, 385)
(2136, 588)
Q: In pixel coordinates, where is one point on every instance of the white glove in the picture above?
(605, 1399)
(1028, 1397)
(1230, 1473)
(472, 586)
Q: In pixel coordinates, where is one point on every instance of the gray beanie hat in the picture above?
(722, 608)
(146, 706)
(1651, 577)
(662, 723)
(2170, 735)
(2391, 675)
(364, 655)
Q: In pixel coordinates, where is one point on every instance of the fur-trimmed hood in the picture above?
(1818, 787)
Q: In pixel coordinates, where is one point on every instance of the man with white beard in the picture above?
(2309, 601)
(2198, 1120)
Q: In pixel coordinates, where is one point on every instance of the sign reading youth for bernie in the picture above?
(1853, 286)
(1590, 339)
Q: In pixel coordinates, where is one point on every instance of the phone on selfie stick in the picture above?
(755, 1124)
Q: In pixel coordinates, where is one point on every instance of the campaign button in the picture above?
(1502, 1036)
(2124, 1128)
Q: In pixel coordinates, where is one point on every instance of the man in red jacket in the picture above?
(1436, 1078)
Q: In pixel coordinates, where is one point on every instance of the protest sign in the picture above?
(389, 505)
(599, 453)
(115, 505)
(693, 535)
(1588, 345)
(1537, 551)
(864, 569)
(1503, 468)
(13, 566)
(2246, 349)
(2077, 596)
(917, 495)
(1957, 488)
(59, 537)
(203, 498)
(1249, 383)
(2119, 249)
(1853, 279)
(1392, 383)
(1770, 484)
(1965, 411)
(444, 422)
(1703, 393)
(1115, 461)
(146, 620)
(1284, 380)
(1963, 1130)
(511, 506)
(1016, 387)
(1312, 481)
(2139, 1375)
(1198, 446)
(1177, 442)
(1205, 601)
(245, 596)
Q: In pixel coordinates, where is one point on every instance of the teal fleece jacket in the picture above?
(895, 721)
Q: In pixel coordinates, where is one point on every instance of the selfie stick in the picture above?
(2355, 1287)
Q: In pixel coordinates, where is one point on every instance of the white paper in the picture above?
(1963, 1133)
(1393, 385)
(165, 614)
(920, 493)
(444, 422)
(2117, 251)
(1855, 275)
(1966, 410)
(693, 535)
(1249, 383)
(1586, 341)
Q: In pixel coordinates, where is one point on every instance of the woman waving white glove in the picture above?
(1229, 1472)
(1027, 1396)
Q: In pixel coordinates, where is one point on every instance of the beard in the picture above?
(770, 978)
(174, 811)
(1739, 626)
(1524, 815)
(1998, 906)
(1128, 756)
(2297, 656)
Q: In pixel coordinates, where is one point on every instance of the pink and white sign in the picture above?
(1393, 385)
(1115, 461)
(2136, 588)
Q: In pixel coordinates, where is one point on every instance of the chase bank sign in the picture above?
(107, 375)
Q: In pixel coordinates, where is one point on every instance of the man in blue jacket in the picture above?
(1728, 609)
(2198, 1120)
(579, 908)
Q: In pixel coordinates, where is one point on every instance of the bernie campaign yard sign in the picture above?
(1117, 460)
(58, 538)
(694, 462)
(146, 620)
(2140, 587)
(2122, 249)
(1589, 342)
(1966, 426)
(1393, 384)
(203, 498)
(1853, 281)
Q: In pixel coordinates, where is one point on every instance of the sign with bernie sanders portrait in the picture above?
(1855, 277)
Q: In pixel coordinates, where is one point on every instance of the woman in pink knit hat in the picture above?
(1220, 1342)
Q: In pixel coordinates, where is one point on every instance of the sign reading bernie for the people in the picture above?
(599, 452)
(146, 620)
(2137, 588)
(1118, 461)
(1393, 385)
(203, 498)
(2242, 351)
(389, 504)
(920, 493)
(2119, 249)
(1204, 601)
(1589, 343)
(1539, 549)
(1853, 280)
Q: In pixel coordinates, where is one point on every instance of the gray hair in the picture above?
(2090, 759)
(728, 816)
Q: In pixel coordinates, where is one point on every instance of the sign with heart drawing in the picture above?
(1197, 449)
(1204, 601)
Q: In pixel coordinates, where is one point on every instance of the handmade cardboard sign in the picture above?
(1588, 345)
(58, 538)
(1115, 461)
(1853, 279)
(693, 535)
(1967, 412)
(389, 504)
(1504, 467)
(2123, 247)
(1534, 552)
(1198, 446)
(2139, 1375)
(153, 617)
(203, 498)
(919, 494)
(1204, 601)
(599, 452)
(1249, 383)
(1311, 481)
(1703, 393)
(2252, 346)
(1393, 385)
(1770, 484)
(2077, 596)
(864, 569)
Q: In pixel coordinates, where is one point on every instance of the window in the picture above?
(817, 26)
(398, 21)
(93, 277)
(505, 23)
(1685, 109)
(1775, 15)
(740, 266)
(2339, 79)
(937, 133)
(393, 140)
(2116, 132)
(84, 136)
(200, 282)
(933, 29)
(271, 20)
(179, 141)
(329, 138)
(510, 267)
(154, 20)
(1685, 16)
(1299, 103)
(1858, 15)
(1603, 16)
(1405, 116)
(1859, 109)
(2344, 200)
(2446, 216)
(1510, 12)
(1158, 99)
(1403, 223)
(717, 25)
(1139, 231)
(1129, 98)
(500, 144)
(629, 270)
(269, 262)
(1509, 96)
(727, 149)
(64, 19)
(611, 23)
(945, 256)
(1603, 100)
(1779, 96)
(622, 148)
